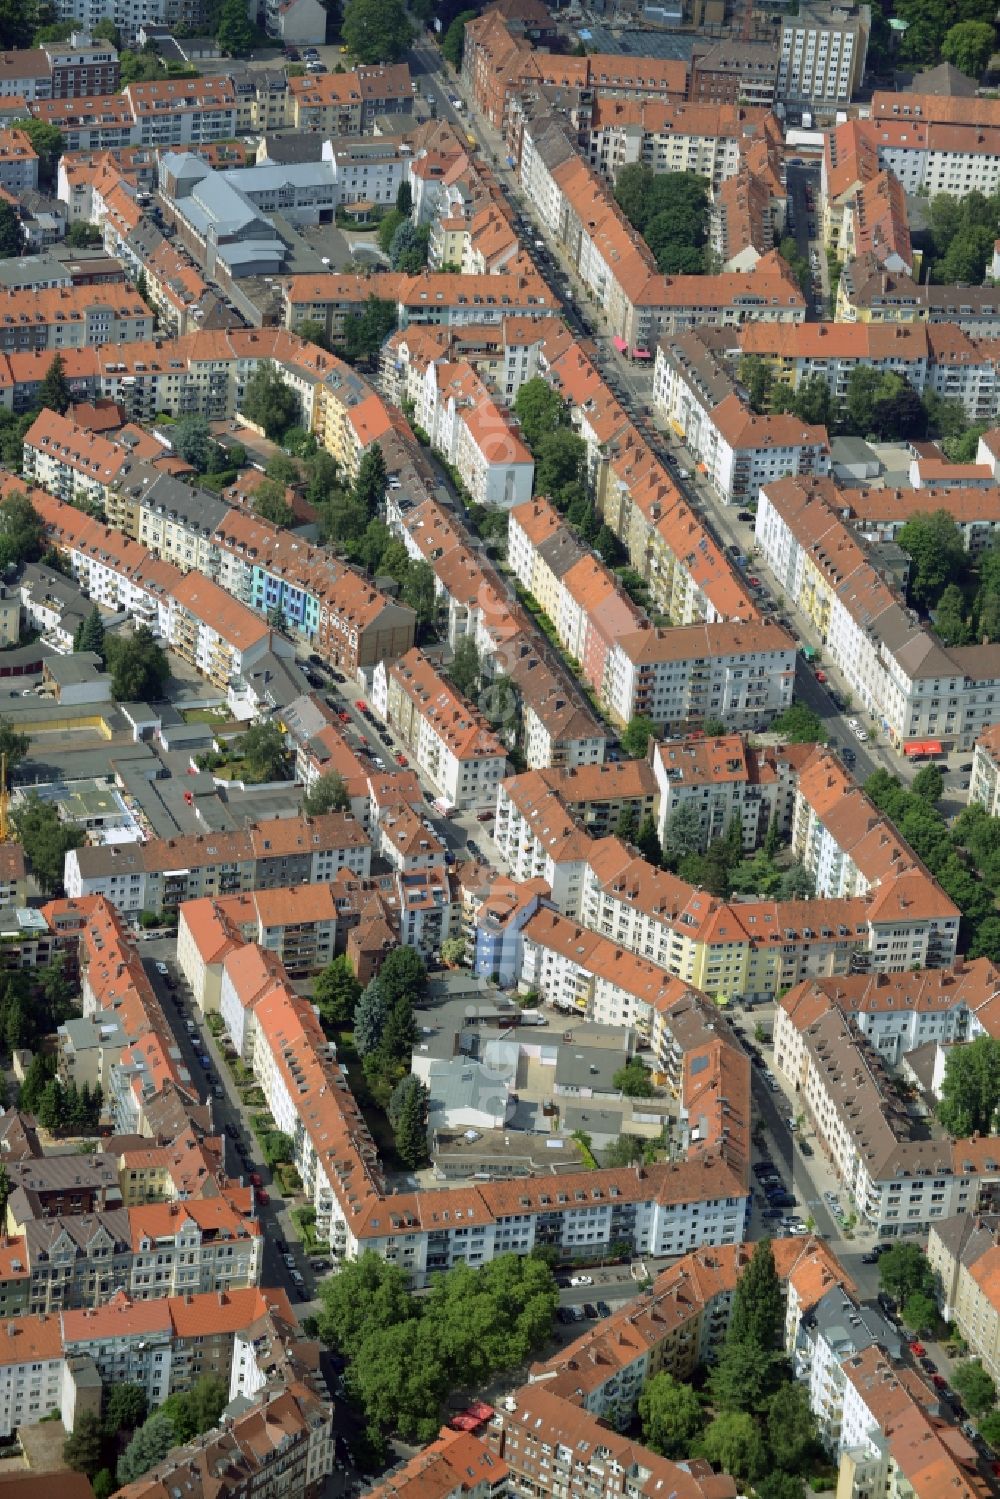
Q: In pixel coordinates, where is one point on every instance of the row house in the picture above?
(475, 435)
(165, 872)
(921, 695)
(451, 742)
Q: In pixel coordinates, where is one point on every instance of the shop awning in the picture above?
(923, 747)
(619, 343)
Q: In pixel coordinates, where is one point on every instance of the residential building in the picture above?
(823, 52)
(836, 1329)
(984, 786)
(965, 1253)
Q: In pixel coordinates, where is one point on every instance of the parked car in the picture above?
(263, 1198)
(581, 1280)
(162, 969)
(361, 705)
(917, 1349)
(805, 1147)
(747, 516)
(603, 1310)
(590, 1311)
(255, 1179)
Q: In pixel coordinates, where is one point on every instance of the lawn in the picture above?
(206, 715)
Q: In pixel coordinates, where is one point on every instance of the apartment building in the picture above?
(899, 1182)
(742, 673)
(704, 138)
(165, 872)
(984, 786)
(299, 924)
(937, 144)
(467, 426)
(72, 317)
(836, 1329)
(595, 796)
(456, 1466)
(677, 1327)
(742, 451)
(723, 778)
(823, 52)
(76, 466)
(893, 1439)
(349, 103)
(18, 163)
(283, 1440)
(924, 697)
(964, 1253)
(451, 742)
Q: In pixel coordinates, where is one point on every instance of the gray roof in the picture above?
(848, 1328)
(461, 1083)
(42, 1234)
(287, 148)
(588, 1067)
(69, 671)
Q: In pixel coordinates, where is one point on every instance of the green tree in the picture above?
(647, 840)
(46, 840)
(683, 833)
(404, 975)
(408, 247)
(22, 534)
(796, 883)
(934, 545)
(235, 34)
(270, 504)
(127, 1408)
(83, 1449)
(974, 1385)
(540, 409)
(465, 666)
(419, 592)
(327, 794)
(267, 401)
(265, 757)
(148, 1447)
(636, 736)
(778, 1485)
(404, 198)
(742, 1377)
(627, 826)
(47, 140)
(799, 725)
(54, 392)
(313, 332)
(919, 1311)
(969, 46)
(951, 617)
(408, 1117)
(372, 481)
(366, 1296)
(734, 1443)
(370, 1018)
(15, 746)
(337, 992)
(366, 332)
(90, 634)
(139, 668)
(757, 1301)
(970, 1090)
(813, 402)
(633, 1080)
(671, 1416)
(41, 1070)
(560, 459)
(387, 228)
(757, 377)
(791, 1427)
(928, 783)
(453, 951)
(989, 1428)
(376, 31)
(903, 1271)
(192, 439)
(453, 44)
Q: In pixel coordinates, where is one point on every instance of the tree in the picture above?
(951, 617)
(127, 1407)
(934, 545)
(778, 1485)
(419, 592)
(796, 883)
(799, 725)
(372, 481)
(270, 504)
(636, 736)
(15, 746)
(465, 666)
(989, 1428)
(734, 1443)
(370, 1018)
(376, 31)
(83, 1449)
(366, 332)
(969, 46)
(647, 840)
(560, 459)
(41, 1070)
(919, 1311)
(928, 783)
(757, 377)
(970, 1090)
(813, 402)
(192, 439)
(312, 331)
(267, 401)
(139, 668)
(671, 211)
(633, 1080)
(337, 992)
(235, 34)
(46, 840)
(366, 1296)
(974, 1385)
(540, 409)
(791, 1426)
(404, 198)
(90, 635)
(671, 1415)
(453, 951)
(742, 1377)
(903, 1271)
(453, 45)
(54, 392)
(757, 1300)
(148, 1447)
(408, 1117)
(107, 31)
(264, 754)
(627, 826)
(327, 794)
(403, 975)
(46, 140)
(683, 833)
(22, 534)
